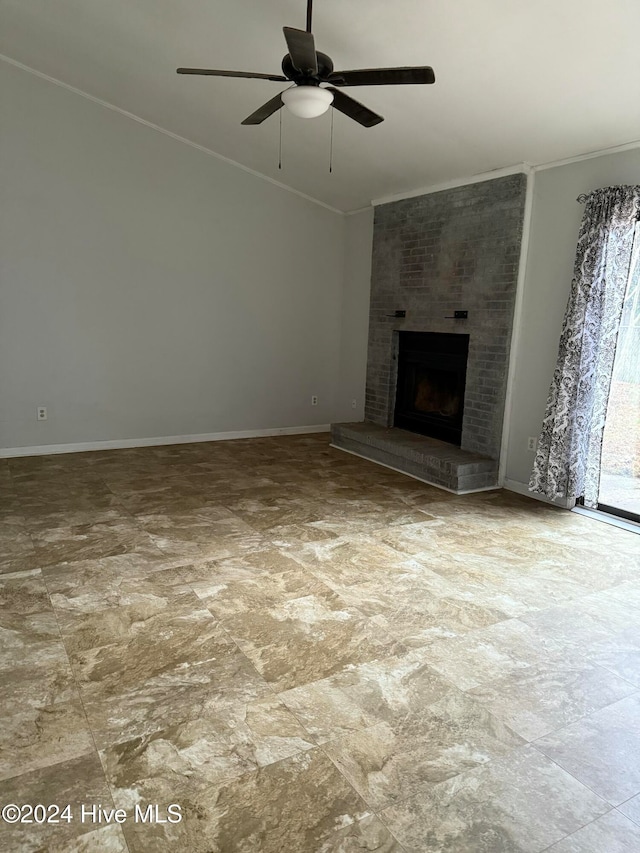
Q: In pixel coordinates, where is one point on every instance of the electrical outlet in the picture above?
(532, 443)
(41, 413)
(354, 404)
(314, 400)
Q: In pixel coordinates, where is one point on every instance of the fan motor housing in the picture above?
(325, 68)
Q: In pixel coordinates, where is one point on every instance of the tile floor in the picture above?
(309, 653)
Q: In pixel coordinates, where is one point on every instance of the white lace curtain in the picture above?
(567, 463)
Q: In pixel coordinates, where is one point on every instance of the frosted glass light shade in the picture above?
(307, 101)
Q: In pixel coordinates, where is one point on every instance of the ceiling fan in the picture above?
(308, 70)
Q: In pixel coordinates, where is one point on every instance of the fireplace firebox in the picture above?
(432, 370)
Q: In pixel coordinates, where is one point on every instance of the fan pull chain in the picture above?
(331, 146)
(280, 146)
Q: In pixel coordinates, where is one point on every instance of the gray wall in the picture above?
(149, 289)
(554, 232)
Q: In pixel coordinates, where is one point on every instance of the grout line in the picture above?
(617, 808)
(579, 829)
(573, 776)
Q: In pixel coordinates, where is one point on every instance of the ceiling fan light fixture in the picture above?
(307, 101)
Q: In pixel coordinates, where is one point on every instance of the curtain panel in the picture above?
(567, 462)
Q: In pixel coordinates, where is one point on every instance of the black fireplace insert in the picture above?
(432, 370)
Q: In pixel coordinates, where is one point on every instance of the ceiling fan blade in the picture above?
(355, 110)
(302, 50)
(210, 72)
(265, 110)
(383, 76)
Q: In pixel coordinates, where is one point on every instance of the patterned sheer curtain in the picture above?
(567, 463)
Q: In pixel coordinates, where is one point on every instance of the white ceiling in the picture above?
(516, 80)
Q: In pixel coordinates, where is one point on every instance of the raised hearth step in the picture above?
(429, 459)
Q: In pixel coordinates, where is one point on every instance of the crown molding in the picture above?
(590, 155)
(518, 169)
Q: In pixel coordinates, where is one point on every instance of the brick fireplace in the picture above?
(433, 255)
(431, 378)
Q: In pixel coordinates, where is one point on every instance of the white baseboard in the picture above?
(158, 441)
(523, 489)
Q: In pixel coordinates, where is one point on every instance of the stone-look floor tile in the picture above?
(351, 560)
(162, 680)
(413, 539)
(601, 750)
(375, 594)
(43, 720)
(11, 512)
(367, 834)
(391, 761)
(305, 639)
(472, 586)
(35, 734)
(162, 501)
(581, 624)
(88, 516)
(17, 552)
(45, 508)
(35, 643)
(23, 631)
(620, 654)
(421, 618)
(266, 513)
(53, 465)
(223, 741)
(487, 654)
(139, 563)
(228, 597)
(598, 568)
(29, 631)
(612, 833)
(171, 624)
(87, 588)
(211, 533)
(361, 696)
(534, 587)
(135, 701)
(76, 782)
(518, 804)
(116, 649)
(300, 804)
(247, 565)
(89, 541)
(228, 594)
(626, 593)
(224, 483)
(631, 809)
(541, 698)
(290, 536)
(361, 511)
(21, 594)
